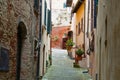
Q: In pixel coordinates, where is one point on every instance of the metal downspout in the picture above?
(40, 37)
(84, 25)
(51, 33)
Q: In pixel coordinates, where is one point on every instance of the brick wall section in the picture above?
(58, 32)
(11, 13)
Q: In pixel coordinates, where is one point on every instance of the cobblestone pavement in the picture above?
(62, 68)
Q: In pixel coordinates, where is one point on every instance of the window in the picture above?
(78, 28)
(82, 26)
(95, 12)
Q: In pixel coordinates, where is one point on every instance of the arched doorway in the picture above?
(21, 35)
(43, 71)
(70, 34)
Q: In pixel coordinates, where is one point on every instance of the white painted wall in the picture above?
(45, 41)
(86, 26)
(73, 28)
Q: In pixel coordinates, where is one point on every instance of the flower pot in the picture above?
(69, 48)
(79, 57)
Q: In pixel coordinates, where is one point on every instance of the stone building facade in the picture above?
(108, 40)
(78, 27)
(18, 24)
(45, 50)
(90, 28)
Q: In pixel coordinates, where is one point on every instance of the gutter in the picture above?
(77, 5)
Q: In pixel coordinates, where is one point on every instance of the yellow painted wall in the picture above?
(79, 16)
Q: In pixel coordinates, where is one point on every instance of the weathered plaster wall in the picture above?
(108, 40)
(80, 36)
(89, 23)
(44, 53)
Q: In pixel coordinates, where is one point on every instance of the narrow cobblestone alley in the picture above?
(62, 68)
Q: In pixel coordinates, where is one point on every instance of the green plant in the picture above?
(75, 65)
(65, 34)
(79, 52)
(55, 38)
(69, 42)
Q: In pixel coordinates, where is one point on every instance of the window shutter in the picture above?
(45, 8)
(95, 12)
(48, 21)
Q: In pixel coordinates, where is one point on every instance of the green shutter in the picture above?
(48, 21)
(45, 7)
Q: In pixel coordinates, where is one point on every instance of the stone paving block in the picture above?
(62, 68)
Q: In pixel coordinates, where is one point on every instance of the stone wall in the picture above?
(108, 40)
(11, 13)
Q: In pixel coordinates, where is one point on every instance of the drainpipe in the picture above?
(39, 42)
(50, 34)
(84, 25)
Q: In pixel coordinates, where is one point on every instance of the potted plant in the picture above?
(69, 44)
(78, 55)
(79, 52)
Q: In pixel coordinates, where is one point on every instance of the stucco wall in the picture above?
(79, 16)
(107, 40)
(80, 36)
(90, 31)
(45, 52)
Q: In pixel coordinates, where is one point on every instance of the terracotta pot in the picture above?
(77, 58)
(69, 48)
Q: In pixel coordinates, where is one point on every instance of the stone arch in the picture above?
(21, 36)
(21, 30)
